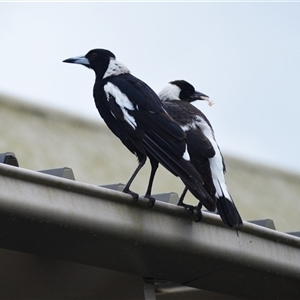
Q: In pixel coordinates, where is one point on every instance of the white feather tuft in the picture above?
(210, 102)
(115, 68)
(169, 92)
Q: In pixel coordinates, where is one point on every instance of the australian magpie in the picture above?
(134, 113)
(202, 147)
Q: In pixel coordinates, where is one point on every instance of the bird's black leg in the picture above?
(126, 189)
(154, 166)
(199, 213)
(180, 202)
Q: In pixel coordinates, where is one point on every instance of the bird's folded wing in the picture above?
(200, 150)
(199, 145)
(138, 106)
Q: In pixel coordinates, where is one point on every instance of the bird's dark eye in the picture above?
(93, 55)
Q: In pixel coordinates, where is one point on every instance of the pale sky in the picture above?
(245, 56)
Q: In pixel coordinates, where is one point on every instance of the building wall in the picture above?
(43, 138)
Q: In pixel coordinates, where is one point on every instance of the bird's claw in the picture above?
(190, 208)
(199, 216)
(135, 196)
(151, 200)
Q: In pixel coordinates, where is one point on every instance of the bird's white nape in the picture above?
(170, 92)
(115, 68)
(122, 100)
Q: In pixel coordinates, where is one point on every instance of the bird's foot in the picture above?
(135, 196)
(190, 208)
(151, 200)
(199, 216)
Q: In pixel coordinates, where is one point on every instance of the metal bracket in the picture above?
(149, 289)
(9, 158)
(268, 223)
(60, 172)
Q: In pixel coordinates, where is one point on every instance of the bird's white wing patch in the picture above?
(186, 155)
(123, 101)
(188, 126)
(221, 189)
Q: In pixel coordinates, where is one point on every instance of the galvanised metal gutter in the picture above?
(83, 223)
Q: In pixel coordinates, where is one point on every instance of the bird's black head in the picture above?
(187, 92)
(96, 59)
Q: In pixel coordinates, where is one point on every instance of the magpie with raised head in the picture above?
(202, 147)
(134, 113)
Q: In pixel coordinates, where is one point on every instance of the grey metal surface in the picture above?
(265, 223)
(149, 289)
(28, 276)
(82, 223)
(64, 172)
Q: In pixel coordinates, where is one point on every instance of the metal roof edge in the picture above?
(75, 221)
(85, 188)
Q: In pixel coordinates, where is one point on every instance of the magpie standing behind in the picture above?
(203, 149)
(134, 113)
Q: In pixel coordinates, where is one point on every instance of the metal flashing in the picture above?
(87, 224)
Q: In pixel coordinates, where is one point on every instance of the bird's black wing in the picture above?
(200, 150)
(146, 113)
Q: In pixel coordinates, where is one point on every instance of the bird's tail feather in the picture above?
(225, 206)
(228, 212)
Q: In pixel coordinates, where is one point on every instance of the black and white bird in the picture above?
(203, 149)
(134, 113)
